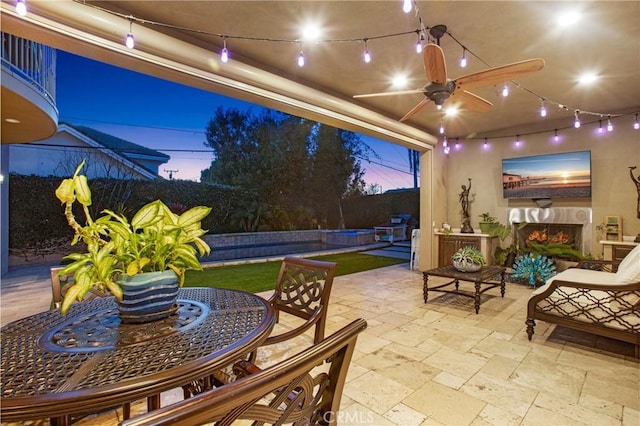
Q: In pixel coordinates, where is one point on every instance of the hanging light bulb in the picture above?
(636, 124)
(457, 143)
(505, 91)
(486, 145)
(129, 41)
(517, 140)
(543, 109)
(406, 6)
(21, 7)
(224, 55)
(301, 57)
(463, 59)
(366, 55)
(609, 125)
(600, 126)
(556, 138)
(576, 122)
(419, 43)
(441, 127)
(444, 141)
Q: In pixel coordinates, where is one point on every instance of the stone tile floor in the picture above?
(441, 364)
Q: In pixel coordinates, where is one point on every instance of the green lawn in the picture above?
(257, 277)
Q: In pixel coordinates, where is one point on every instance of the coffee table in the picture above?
(483, 280)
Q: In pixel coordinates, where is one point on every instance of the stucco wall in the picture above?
(613, 191)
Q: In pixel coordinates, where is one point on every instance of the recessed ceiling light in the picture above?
(568, 18)
(399, 81)
(587, 78)
(311, 32)
(12, 120)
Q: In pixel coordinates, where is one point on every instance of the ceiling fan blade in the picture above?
(434, 64)
(400, 92)
(415, 109)
(467, 100)
(499, 74)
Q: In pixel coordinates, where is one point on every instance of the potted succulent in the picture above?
(485, 222)
(468, 259)
(123, 256)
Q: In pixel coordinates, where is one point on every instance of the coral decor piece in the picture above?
(535, 269)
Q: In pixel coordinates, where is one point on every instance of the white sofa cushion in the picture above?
(579, 276)
(629, 268)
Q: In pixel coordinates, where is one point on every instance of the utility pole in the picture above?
(171, 172)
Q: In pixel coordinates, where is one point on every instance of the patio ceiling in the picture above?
(605, 41)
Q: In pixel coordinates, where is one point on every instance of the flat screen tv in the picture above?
(561, 175)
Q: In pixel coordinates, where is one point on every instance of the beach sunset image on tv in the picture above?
(562, 175)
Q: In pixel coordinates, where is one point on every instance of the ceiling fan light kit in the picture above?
(440, 88)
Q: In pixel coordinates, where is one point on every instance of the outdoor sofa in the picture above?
(596, 296)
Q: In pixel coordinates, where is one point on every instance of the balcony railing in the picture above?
(33, 62)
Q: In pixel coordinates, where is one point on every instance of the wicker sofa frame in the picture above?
(609, 310)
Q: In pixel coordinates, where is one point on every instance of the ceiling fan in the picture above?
(440, 89)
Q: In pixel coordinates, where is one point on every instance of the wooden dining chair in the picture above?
(59, 285)
(294, 391)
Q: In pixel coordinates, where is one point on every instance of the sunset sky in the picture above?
(171, 118)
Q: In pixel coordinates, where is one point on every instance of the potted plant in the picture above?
(505, 255)
(485, 222)
(468, 259)
(124, 256)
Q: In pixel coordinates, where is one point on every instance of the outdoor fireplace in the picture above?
(563, 225)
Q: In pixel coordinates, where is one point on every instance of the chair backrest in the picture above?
(59, 285)
(287, 392)
(303, 289)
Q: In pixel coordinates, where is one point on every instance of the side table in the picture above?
(483, 280)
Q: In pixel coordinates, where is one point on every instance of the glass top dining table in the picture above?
(87, 361)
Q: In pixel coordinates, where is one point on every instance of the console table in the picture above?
(449, 243)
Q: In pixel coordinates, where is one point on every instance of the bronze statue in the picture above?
(464, 201)
(637, 182)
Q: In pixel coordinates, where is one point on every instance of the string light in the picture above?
(224, 55)
(419, 42)
(463, 59)
(406, 6)
(301, 57)
(441, 127)
(600, 126)
(543, 109)
(636, 124)
(129, 40)
(609, 125)
(21, 7)
(366, 55)
(576, 122)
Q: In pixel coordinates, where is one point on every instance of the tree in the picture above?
(290, 169)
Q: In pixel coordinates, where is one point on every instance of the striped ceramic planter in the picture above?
(148, 297)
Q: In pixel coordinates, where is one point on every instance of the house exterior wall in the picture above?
(612, 153)
(61, 154)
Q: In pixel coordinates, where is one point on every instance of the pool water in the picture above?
(244, 252)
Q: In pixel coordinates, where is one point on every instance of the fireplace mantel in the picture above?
(568, 215)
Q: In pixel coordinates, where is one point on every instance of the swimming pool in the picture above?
(266, 250)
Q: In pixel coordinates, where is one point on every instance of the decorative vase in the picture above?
(147, 297)
(463, 266)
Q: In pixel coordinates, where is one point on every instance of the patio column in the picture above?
(426, 210)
